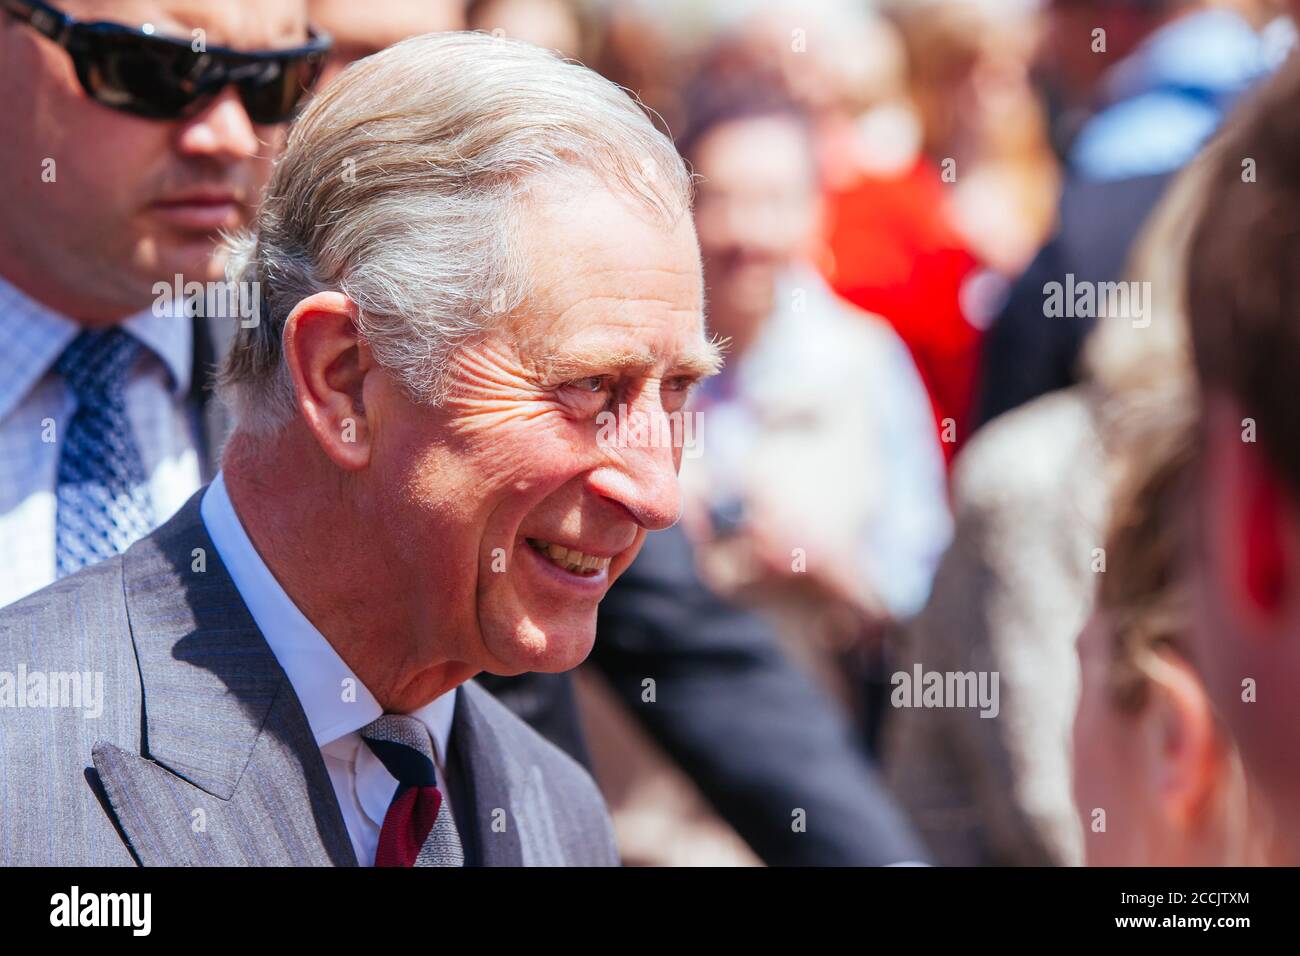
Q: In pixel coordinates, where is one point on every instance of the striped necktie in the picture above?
(414, 832)
(103, 504)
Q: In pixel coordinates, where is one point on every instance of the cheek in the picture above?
(491, 483)
(43, 73)
(1213, 572)
(624, 561)
(541, 451)
(1090, 768)
(114, 182)
(1097, 739)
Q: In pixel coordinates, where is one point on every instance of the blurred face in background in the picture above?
(756, 212)
(549, 24)
(130, 200)
(360, 29)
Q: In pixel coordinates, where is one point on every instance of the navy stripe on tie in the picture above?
(409, 767)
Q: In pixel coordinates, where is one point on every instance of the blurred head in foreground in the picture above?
(469, 251)
(1157, 781)
(1243, 290)
(116, 175)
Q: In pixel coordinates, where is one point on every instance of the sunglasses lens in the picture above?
(274, 96)
(163, 79)
(142, 75)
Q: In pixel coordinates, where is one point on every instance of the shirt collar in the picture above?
(35, 336)
(171, 338)
(333, 698)
(1212, 52)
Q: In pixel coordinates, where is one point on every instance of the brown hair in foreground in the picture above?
(1244, 296)
(1143, 593)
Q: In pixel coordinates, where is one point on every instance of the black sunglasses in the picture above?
(164, 78)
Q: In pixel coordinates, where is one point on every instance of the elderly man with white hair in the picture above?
(469, 251)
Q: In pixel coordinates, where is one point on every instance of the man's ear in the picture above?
(1187, 758)
(329, 363)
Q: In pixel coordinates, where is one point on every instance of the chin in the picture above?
(548, 647)
(202, 259)
(191, 260)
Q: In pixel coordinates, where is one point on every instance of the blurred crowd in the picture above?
(885, 192)
(910, 463)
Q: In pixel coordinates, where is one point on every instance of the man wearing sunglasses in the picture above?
(135, 132)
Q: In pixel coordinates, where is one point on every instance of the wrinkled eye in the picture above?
(593, 385)
(586, 396)
(676, 391)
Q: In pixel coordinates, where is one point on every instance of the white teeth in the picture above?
(568, 558)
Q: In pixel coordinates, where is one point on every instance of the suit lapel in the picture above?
(231, 773)
(481, 795)
(507, 812)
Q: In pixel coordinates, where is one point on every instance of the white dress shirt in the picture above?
(335, 701)
(31, 391)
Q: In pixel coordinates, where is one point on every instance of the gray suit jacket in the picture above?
(201, 753)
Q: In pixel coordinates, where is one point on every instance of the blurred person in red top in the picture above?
(892, 246)
(896, 253)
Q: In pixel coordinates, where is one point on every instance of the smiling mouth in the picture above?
(575, 562)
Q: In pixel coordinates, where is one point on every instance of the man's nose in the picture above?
(641, 469)
(221, 130)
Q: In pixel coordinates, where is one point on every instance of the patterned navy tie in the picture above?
(103, 502)
(414, 832)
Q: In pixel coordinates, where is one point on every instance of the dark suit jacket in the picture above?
(1027, 354)
(202, 754)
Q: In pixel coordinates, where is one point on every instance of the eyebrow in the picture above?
(697, 363)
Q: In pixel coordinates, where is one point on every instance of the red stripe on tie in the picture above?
(406, 826)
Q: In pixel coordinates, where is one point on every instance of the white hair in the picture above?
(400, 187)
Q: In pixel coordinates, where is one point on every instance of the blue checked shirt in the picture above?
(32, 337)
